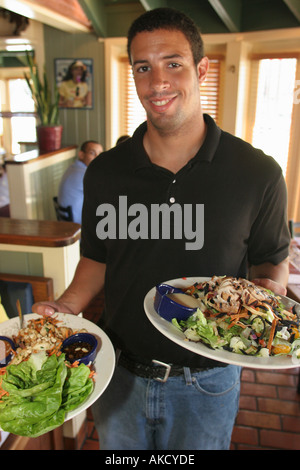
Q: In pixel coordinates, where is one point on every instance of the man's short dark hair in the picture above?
(85, 144)
(169, 19)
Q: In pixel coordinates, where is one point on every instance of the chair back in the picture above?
(62, 213)
(294, 228)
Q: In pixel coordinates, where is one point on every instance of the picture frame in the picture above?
(74, 80)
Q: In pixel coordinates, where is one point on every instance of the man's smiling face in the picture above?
(166, 78)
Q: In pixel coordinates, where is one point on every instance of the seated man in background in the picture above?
(70, 191)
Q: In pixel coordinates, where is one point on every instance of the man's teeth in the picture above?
(161, 103)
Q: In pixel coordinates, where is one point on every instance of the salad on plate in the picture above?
(39, 386)
(238, 316)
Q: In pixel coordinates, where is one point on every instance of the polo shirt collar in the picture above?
(205, 153)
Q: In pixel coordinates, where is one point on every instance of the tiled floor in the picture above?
(269, 415)
(91, 442)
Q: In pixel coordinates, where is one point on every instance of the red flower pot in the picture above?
(49, 138)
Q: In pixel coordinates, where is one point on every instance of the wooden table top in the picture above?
(38, 232)
(33, 155)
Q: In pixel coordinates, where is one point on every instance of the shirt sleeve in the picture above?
(91, 246)
(270, 239)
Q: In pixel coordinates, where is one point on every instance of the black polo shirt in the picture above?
(224, 210)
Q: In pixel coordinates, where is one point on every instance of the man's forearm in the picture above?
(87, 282)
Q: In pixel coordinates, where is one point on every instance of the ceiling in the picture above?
(212, 16)
(106, 18)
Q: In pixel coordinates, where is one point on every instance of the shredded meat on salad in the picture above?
(42, 334)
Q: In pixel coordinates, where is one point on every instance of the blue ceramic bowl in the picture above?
(76, 345)
(168, 308)
(5, 359)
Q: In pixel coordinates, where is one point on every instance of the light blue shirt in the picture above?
(70, 191)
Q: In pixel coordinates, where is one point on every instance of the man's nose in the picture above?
(159, 81)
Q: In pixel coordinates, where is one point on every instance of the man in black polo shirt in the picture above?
(179, 198)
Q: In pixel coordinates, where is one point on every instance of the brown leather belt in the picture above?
(155, 370)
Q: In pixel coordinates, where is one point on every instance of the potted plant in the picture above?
(49, 131)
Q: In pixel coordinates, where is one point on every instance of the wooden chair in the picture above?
(41, 287)
(62, 213)
(294, 228)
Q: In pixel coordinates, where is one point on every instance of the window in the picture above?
(18, 122)
(133, 114)
(211, 90)
(271, 107)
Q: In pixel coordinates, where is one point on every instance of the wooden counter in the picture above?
(40, 248)
(38, 232)
(33, 180)
(31, 155)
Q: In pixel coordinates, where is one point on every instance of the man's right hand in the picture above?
(49, 308)
(86, 284)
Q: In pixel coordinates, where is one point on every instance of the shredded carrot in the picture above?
(74, 364)
(237, 322)
(2, 392)
(239, 315)
(55, 349)
(235, 319)
(210, 314)
(272, 332)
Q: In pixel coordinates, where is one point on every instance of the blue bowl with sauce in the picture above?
(81, 347)
(7, 348)
(171, 302)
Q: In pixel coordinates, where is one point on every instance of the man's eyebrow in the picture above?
(166, 57)
(137, 62)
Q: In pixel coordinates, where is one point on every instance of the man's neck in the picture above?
(174, 150)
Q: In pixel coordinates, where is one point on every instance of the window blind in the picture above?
(132, 112)
(210, 90)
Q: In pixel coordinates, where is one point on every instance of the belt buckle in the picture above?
(167, 372)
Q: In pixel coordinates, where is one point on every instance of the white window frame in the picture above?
(114, 48)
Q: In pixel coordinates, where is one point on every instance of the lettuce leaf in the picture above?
(77, 387)
(197, 326)
(39, 398)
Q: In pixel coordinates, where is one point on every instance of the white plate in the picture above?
(104, 363)
(172, 333)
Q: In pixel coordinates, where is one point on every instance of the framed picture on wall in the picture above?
(74, 79)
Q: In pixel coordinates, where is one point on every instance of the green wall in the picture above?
(79, 124)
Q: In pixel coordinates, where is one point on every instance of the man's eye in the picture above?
(174, 65)
(143, 68)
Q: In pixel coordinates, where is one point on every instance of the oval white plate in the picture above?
(104, 363)
(172, 333)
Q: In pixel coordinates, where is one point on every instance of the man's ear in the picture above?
(81, 155)
(202, 69)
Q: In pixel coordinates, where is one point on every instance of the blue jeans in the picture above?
(189, 412)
